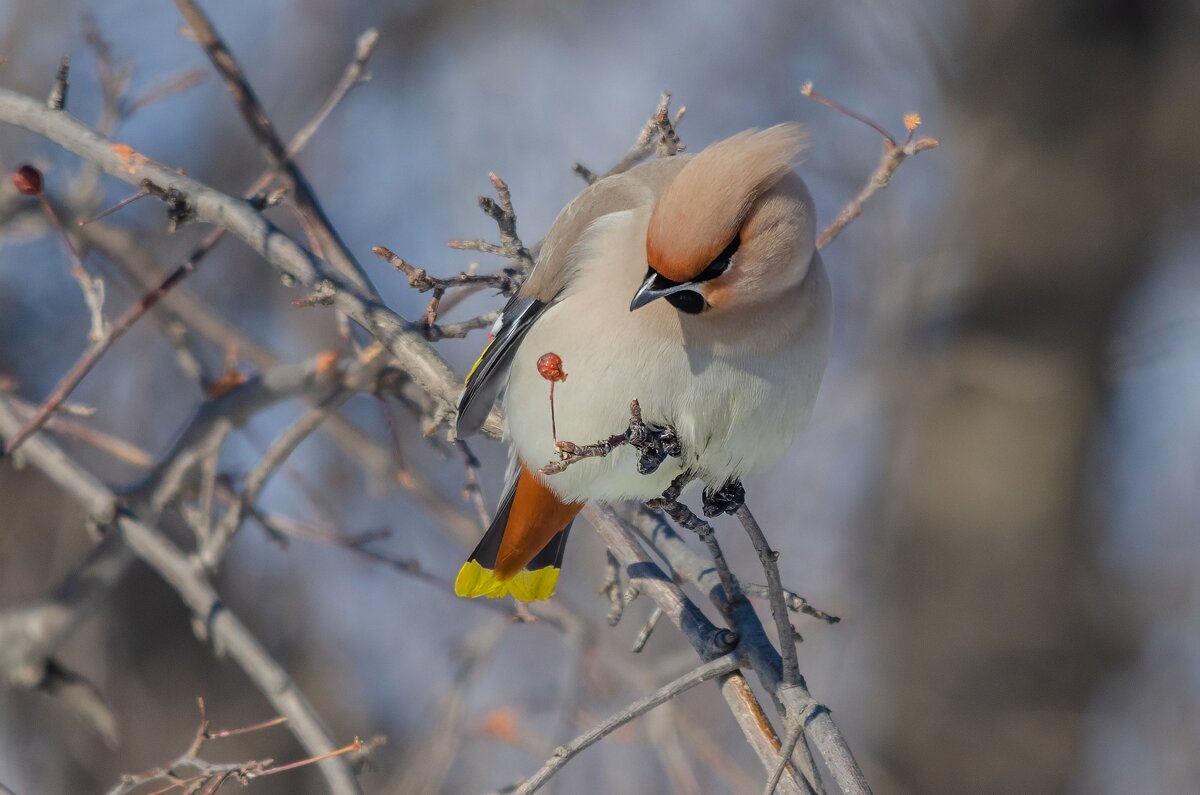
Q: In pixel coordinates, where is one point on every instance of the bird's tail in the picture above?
(522, 550)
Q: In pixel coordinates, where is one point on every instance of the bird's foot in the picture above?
(726, 499)
(654, 443)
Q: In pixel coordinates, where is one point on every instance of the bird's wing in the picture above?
(635, 188)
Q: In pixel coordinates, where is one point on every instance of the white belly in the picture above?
(734, 414)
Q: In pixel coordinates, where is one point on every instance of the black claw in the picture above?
(650, 460)
(655, 444)
(726, 499)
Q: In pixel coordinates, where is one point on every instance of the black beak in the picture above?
(656, 286)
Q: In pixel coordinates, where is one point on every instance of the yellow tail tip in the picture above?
(528, 586)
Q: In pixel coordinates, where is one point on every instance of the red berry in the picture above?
(28, 180)
(550, 367)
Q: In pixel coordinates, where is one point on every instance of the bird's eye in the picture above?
(687, 301)
(721, 263)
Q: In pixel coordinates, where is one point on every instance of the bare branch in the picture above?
(893, 155)
(564, 754)
(510, 245)
(657, 136)
(353, 75)
(795, 602)
(643, 635)
(223, 627)
(211, 550)
(785, 756)
(208, 777)
(769, 560)
(260, 125)
(420, 280)
(58, 93)
(619, 537)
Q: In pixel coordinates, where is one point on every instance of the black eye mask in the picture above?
(678, 294)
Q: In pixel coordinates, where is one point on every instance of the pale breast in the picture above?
(735, 411)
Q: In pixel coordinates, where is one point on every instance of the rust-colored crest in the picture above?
(702, 209)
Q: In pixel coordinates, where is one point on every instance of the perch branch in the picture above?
(769, 560)
(619, 537)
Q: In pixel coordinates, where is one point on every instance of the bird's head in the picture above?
(734, 228)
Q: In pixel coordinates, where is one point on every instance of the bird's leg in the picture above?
(726, 499)
(654, 442)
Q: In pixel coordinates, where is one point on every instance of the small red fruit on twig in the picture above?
(550, 367)
(28, 180)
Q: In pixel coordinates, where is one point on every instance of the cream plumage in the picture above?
(691, 284)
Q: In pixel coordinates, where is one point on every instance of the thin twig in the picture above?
(210, 776)
(58, 93)
(643, 635)
(654, 445)
(893, 155)
(420, 280)
(213, 548)
(563, 754)
(224, 628)
(795, 602)
(256, 118)
(669, 503)
(769, 560)
(352, 76)
(510, 245)
(471, 489)
(785, 757)
(658, 136)
(611, 587)
(177, 84)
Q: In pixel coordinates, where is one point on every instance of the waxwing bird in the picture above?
(690, 283)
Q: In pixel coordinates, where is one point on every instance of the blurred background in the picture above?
(997, 492)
